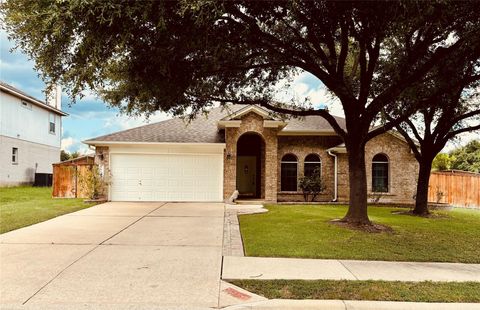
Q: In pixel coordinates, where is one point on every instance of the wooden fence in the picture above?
(66, 180)
(457, 188)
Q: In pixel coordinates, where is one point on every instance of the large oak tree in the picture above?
(179, 56)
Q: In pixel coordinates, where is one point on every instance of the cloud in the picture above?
(305, 86)
(66, 143)
(70, 145)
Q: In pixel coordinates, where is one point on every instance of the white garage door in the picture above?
(166, 177)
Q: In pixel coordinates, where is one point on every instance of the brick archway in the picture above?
(250, 165)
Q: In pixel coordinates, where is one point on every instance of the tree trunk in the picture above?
(421, 199)
(357, 209)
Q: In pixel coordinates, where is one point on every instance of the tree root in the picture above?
(369, 227)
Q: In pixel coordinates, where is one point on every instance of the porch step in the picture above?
(249, 202)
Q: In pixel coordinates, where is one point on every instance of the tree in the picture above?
(64, 155)
(75, 154)
(467, 158)
(179, 56)
(451, 107)
(441, 162)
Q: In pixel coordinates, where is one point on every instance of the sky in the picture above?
(89, 117)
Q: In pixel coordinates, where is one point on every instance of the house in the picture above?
(30, 135)
(244, 147)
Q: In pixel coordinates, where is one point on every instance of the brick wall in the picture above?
(252, 123)
(403, 170)
(301, 146)
(102, 160)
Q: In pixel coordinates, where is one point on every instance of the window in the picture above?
(380, 173)
(26, 105)
(312, 162)
(289, 173)
(52, 123)
(14, 155)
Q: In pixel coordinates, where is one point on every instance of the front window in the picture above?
(380, 173)
(312, 163)
(289, 173)
(14, 155)
(52, 123)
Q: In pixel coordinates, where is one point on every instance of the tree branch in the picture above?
(452, 134)
(410, 142)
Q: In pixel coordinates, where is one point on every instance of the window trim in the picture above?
(319, 162)
(296, 172)
(15, 155)
(26, 105)
(387, 162)
(54, 132)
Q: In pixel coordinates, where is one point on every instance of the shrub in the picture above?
(311, 185)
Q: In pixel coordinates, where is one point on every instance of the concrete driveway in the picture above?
(116, 255)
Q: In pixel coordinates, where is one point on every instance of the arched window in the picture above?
(289, 173)
(312, 163)
(380, 173)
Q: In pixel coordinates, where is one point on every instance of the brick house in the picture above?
(244, 147)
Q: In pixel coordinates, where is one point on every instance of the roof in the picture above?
(24, 96)
(89, 158)
(204, 128)
(311, 123)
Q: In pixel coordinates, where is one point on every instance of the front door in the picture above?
(246, 175)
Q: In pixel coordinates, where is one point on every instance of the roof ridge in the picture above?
(156, 123)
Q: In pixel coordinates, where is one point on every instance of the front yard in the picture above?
(305, 231)
(23, 206)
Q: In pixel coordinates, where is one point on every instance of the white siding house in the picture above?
(30, 135)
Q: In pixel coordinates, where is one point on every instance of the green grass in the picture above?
(305, 231)
(23, 206)
(364, 290)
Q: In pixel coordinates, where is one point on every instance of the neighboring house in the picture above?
(30, 135)
(245, 148)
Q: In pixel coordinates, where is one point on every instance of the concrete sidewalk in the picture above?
(266, 268)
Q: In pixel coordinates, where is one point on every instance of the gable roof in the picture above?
(245, 109)
(26, 97)
(204, 128)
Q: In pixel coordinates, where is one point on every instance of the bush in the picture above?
(311, 186)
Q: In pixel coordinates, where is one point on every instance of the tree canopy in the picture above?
(466, 158)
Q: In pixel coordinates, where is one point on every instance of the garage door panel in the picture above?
(166, 177)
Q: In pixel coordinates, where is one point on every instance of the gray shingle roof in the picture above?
(311, 123)
(203, 129)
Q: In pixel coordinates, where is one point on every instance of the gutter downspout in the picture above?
(335, 192)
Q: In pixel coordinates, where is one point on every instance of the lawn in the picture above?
(364, 290)
(23, 206)
(305, 231)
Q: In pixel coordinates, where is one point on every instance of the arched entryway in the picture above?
(251, 166)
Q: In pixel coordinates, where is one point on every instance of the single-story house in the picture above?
(244, 147)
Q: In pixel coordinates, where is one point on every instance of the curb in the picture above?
(352, 305)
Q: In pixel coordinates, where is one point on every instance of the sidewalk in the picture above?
(266, 268)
